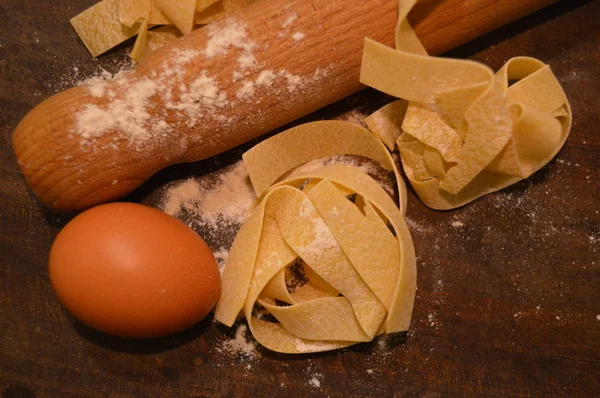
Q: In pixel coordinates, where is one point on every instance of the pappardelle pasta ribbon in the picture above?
(461, 131)
(357, 254)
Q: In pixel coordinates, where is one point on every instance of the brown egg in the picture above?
(133, 271)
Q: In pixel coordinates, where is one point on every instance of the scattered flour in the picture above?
(354, 116)
(298, 36)
(237, 76)
(315, 378)
(239, 346)
(181, 197)
(167, 101)
(92, 74)
(186, 56)
(290, 20)
(314, 382)
(431, 320)
(204, 90)
(323, 239)
(127, 114)
(246, 91)
(382, 342)
(293, 81)
(457, 224)
(232, 35)
(221, 257)
(415, 226)
(247, 60)
(215, 205)
(266, 78)
(97, 90)
(218, 206)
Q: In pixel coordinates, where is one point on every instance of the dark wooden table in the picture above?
(508, 304)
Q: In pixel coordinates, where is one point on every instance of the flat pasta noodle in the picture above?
(202, 5)
(133, 11)
(99, 28)
(276, 289)
(310, 291)
(160, 36)
(347, 179)
(271, 159)
(386, 122)
(111, 22)
(221, 8)
(157, 16)
(466, 132)
(148, 41)
(211, 13)
(354, 253)
(358, 257)
(140, 48)
(181, 12)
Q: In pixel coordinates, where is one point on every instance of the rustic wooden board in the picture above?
(507, 305)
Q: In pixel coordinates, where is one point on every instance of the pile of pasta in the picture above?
(111, 22)
(461, 131)
(341, 225)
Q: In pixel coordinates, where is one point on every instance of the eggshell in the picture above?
(133, 271)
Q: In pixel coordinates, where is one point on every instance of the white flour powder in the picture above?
(290, 20)
(298, 36)
(240, 345)
(266, 78)
(129, 114)
(218, 206)
(136, 109)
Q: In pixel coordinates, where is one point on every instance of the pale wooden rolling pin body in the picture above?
(66, 175)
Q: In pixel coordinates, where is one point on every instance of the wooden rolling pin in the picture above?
(71, 166)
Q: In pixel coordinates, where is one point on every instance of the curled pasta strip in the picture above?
(461, 131)
(358, 255)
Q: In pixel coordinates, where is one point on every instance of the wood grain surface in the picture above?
(507, 304)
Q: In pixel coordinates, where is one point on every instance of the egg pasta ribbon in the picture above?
(461, 131)
(358, 255)
(111, 22)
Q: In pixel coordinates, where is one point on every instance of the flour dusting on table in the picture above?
(217, 206)
(240, 345)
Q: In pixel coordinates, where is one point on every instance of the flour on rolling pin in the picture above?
(201, 95)
(130, 114)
